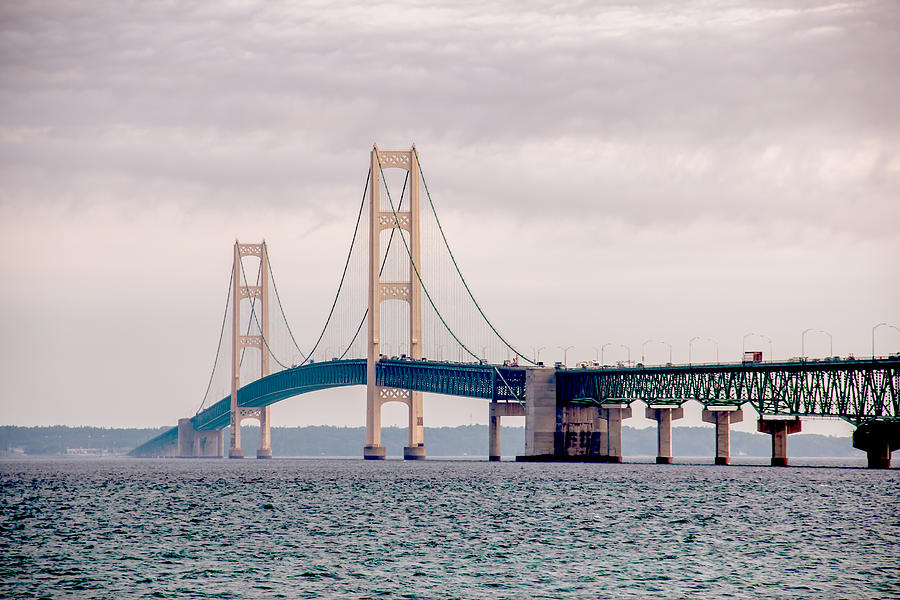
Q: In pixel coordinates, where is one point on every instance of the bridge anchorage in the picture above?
(416, 302)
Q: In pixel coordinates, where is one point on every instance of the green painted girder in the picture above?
(476, 381)
(157, 446)
(473, 380)
(453, 379)
(855, 390)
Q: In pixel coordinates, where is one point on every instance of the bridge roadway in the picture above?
(860, 391)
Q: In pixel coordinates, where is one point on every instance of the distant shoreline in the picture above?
(464, 441)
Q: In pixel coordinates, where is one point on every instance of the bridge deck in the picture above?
(855, 390)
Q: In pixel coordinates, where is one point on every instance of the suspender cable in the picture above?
(219, 347)
(458, 271)
(380, 271)
(261, 336)
(281, 308)
(344, 274)
(413, 263)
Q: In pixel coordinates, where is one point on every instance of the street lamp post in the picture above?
(603, 351)
(596, 353)
(873, 334)
(644, 345)
(697, 337)
(760, 335)
(565, 350)
(537, 353)
(803, 341)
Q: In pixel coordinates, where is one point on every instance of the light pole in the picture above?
(596, 353)
(691, 344)
(765, 337)
(565, 350)
(537, 353)
(873, 334)
(803, 341)
(603, 350)
(644, 345)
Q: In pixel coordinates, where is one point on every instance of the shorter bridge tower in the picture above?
(239, 341)
(381, 291)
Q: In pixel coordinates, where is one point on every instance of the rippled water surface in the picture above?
(354, 529)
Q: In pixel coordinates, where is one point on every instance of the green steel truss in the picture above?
(478, 381)
(855, 390)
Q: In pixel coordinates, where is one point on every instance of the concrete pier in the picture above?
(779, 429)
(193, 443)
(878, 439)
(664, 415)
(540, 412)
(495, 412)
(723, 417)
(578, 434)
(569, 433)
(414, 452)
(613, 414)
(373, 452)
(265, 434)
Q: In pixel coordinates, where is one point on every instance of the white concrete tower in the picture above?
(239, 342)
(380, 291)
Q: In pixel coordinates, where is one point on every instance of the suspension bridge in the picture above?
(404, 322)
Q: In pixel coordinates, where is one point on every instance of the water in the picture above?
(294, 528)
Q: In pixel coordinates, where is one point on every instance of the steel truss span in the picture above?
(858, 391)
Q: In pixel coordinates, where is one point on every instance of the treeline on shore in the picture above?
(465, 440)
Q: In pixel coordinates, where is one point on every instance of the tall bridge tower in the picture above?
(239, 342)
(381, 291)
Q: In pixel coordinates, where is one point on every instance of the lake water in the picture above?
(293, 528)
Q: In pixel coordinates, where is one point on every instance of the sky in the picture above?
(605, 172)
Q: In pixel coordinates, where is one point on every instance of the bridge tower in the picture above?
(238, 342)
(380, 291)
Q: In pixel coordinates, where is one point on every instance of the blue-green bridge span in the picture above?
(858, 391)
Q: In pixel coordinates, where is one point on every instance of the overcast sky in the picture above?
(606, 173)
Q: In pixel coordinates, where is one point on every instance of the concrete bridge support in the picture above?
(540, 413)
(779, 429)
(723, 417)
(193, 443)
(265, 434)
(568, 433)
(878, 439)
(579, 434)
(495, 412)
(664, 415)
(373, 450)
(613, 416)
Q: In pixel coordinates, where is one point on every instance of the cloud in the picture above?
(649, 113)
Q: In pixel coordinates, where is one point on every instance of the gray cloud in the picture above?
(667, 112)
